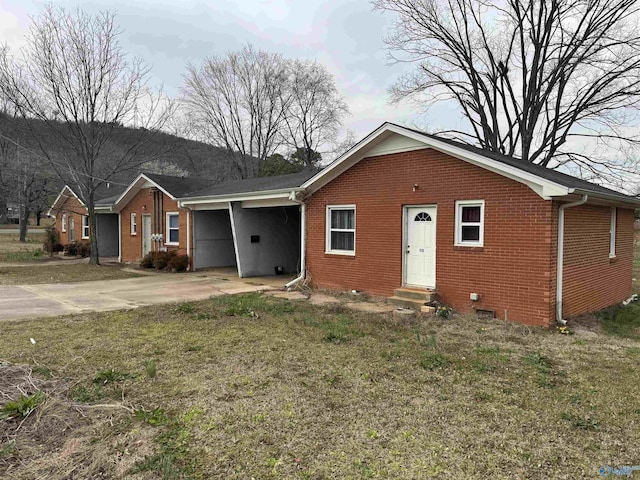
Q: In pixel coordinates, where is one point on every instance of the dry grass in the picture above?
(251, 386)
(13, 251)
(43, 273)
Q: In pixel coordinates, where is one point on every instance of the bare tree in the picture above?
(23, 179)
(238, 102)
(75, 87)
(316, 110)
(531, 76)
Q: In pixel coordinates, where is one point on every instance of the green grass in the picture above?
(622, 321)
(253, 386)
(22, 407)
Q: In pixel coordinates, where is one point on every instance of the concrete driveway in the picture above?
(24, 301)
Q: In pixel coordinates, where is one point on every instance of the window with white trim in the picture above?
(341, 229)
(134, 224)
(72, 229)
(469, 223)
(173, 229)
(85, 227)
(64, 222)
(612, 233)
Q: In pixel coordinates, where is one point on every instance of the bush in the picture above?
(52, 241)
(78, 249)
(179, 263)
(162, 259)
(165, 261)
(147, 260)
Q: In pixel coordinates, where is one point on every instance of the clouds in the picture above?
(345, 36)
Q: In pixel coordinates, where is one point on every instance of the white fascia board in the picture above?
(545, 188)
(269, 202)
(138, 184)
(351, 157)
(104, 209)
(65, 188)
(238, 197)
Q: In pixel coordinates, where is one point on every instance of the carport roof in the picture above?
(252, 185)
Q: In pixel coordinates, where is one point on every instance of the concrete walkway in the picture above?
(23, 301)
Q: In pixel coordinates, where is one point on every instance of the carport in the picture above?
(107, 232)
(213, 239)
(255, 225)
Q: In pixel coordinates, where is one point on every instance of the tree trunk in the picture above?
(24, 222)
(4, 218)
(94, 258)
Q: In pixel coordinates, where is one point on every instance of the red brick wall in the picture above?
(511, 272)
(142, 204)
(592, 280)
(71, 207)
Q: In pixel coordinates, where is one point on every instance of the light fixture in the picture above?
(415, 187)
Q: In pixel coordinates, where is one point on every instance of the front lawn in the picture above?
(11, 250)
(256, 387)
(43, 273)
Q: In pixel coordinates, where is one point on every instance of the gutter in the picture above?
(560, 255)
(234, 197)
(303, 235)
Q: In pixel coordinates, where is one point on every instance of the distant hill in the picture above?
(166, 154)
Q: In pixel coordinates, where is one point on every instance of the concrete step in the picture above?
(415, 294)
(407, 302)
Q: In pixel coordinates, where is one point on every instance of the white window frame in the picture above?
(134, 224)
(168, 236)
(328, 229)
(612, 232)
(64, 223)
(85, 218)
(459, 223)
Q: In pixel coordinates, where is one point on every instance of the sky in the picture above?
(344, 35)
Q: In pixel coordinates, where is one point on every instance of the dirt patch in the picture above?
(57, 439)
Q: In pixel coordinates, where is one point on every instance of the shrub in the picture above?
(147, 260)
(161, 259)
(52, 241)
(179, 263)
(78, 249)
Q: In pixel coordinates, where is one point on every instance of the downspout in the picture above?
(189, 237)
(119, 237)
(560, 256)
(303, 235)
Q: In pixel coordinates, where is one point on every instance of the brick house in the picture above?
(407, 215)
(404, 211)
(150, 218)
(71, 217)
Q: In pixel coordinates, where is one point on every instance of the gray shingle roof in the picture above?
(546, 173)
(178, 186)
(259, 184)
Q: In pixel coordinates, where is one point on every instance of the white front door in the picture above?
(146, 234)
(420, 254)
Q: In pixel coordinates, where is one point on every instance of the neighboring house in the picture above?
(150, 219)
(72, 221)
(13, 212)
(405, 213)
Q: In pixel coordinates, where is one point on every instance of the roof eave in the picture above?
(543, 187)
(237, 197)
(612, 197)
(118, 205)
